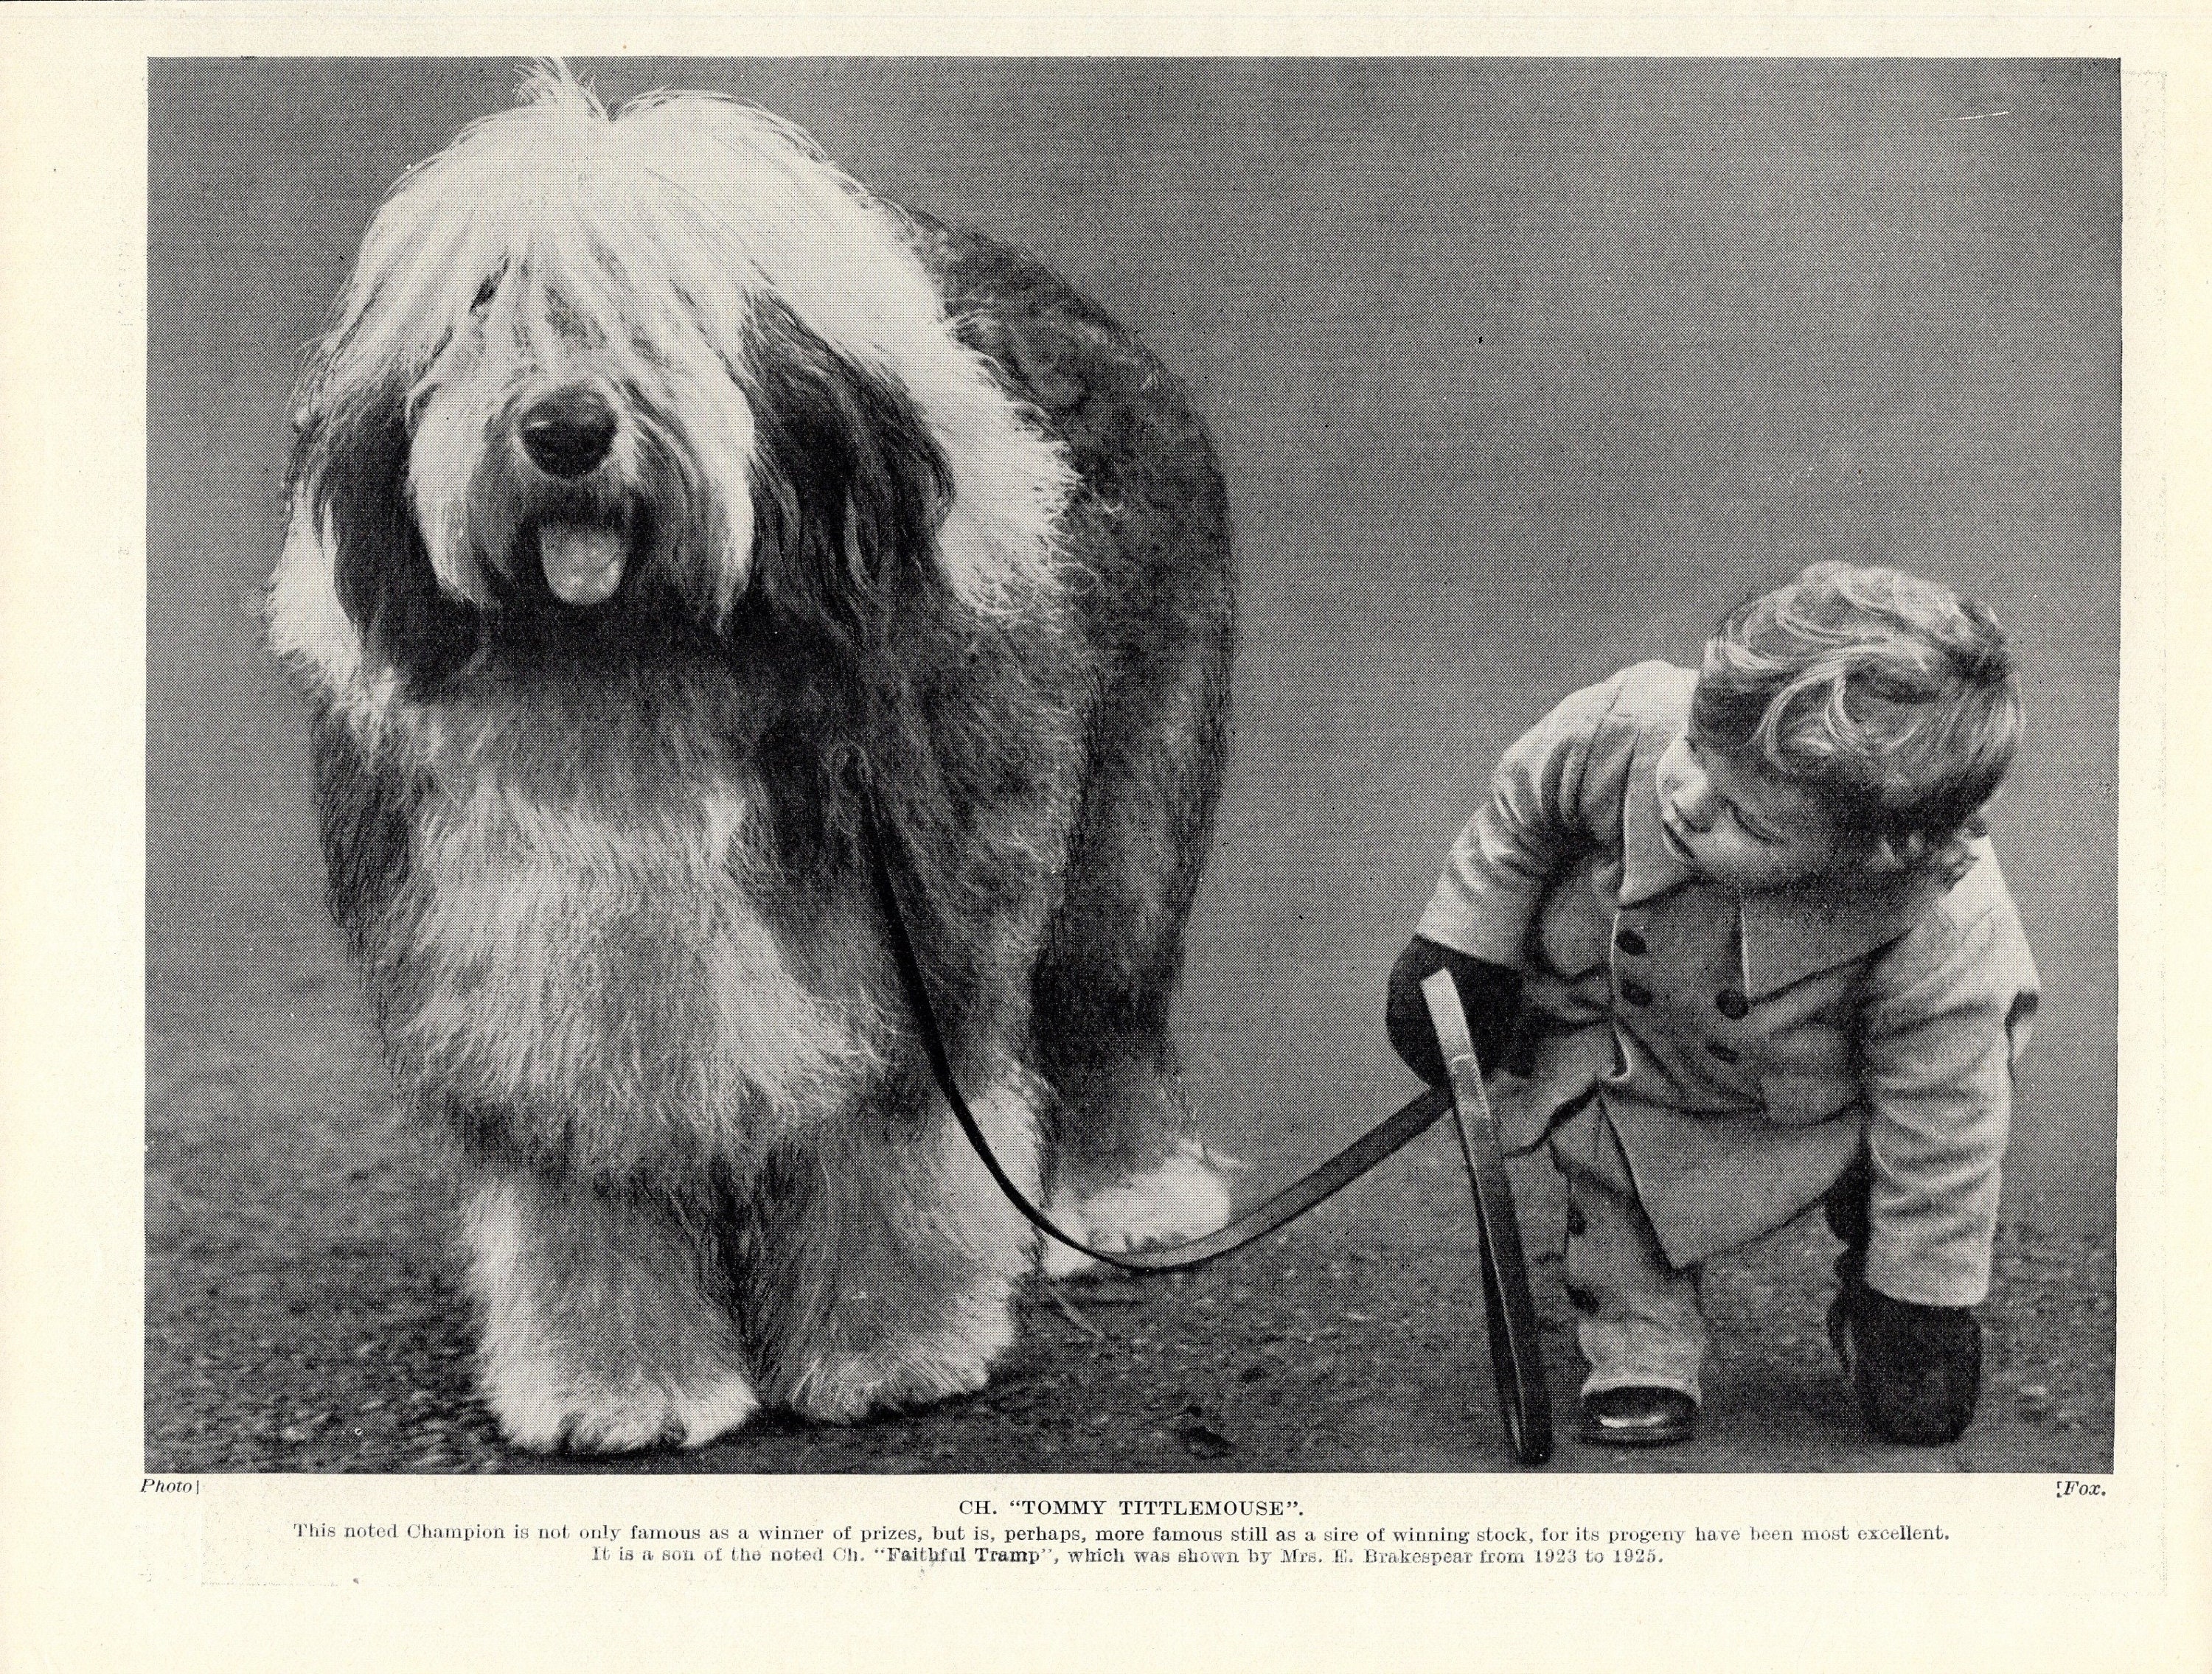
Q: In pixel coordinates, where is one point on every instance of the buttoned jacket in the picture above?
(1744, 1048)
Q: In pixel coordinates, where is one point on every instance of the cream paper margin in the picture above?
(94, 1575)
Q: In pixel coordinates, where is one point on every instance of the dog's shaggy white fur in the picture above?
(656, 488)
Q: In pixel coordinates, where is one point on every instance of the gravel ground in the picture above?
(303, 1311)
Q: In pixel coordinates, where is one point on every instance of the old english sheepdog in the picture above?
(656, 488)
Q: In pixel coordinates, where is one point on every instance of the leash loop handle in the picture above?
(1516, 1357)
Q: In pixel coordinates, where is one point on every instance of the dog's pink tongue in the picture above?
(583, 562)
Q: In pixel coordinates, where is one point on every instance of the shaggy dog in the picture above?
(656, 491)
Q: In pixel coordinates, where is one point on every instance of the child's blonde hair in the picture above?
(1890, 699)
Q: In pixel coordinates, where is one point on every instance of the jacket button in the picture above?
(1635, 993)
(1629, 942)
(1726, 1054)
(1732, 1004)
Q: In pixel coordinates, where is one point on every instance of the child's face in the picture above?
(1746, 831)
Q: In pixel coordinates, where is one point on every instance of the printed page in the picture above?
(474, 1191)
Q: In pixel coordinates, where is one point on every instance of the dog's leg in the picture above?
(1159, 609)
(602, 1331)
(1127, 1169)
(1130, 1174)
(884, 1268)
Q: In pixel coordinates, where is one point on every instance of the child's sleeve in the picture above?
(1949, 1016)
(1552, 790)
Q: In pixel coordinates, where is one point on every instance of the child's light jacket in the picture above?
(1743, 1048)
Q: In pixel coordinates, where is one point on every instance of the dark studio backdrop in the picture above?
(1521, 370)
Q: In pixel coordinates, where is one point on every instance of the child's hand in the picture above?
(1490, 993)
(1916, 1370)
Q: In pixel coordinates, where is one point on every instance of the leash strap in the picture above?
(1516, 1357)
(1510, 1312)
(1413, 1119)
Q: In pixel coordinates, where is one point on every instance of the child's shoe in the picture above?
(1638, 1417)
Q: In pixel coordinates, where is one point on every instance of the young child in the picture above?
(1742, 939)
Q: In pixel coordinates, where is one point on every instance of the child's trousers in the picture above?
(1640, 1324)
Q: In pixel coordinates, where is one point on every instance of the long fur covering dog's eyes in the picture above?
(655, 489)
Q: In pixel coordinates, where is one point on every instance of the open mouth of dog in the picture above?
(583, 563)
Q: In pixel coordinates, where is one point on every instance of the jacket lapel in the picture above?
(1791, 934)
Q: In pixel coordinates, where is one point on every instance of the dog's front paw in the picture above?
(1185, 1196)
(552, 1415)
(840, 1386)
(598, 1334)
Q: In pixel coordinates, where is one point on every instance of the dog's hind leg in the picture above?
(604, 1329)
(878, 1269)
(1155, 610)
(1127, 1169)
(1160, 1185)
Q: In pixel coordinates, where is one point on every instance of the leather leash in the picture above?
(1516, 1358)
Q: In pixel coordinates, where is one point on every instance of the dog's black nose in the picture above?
(568, 433)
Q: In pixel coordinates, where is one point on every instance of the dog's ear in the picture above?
(349, 466)
(849, 486)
